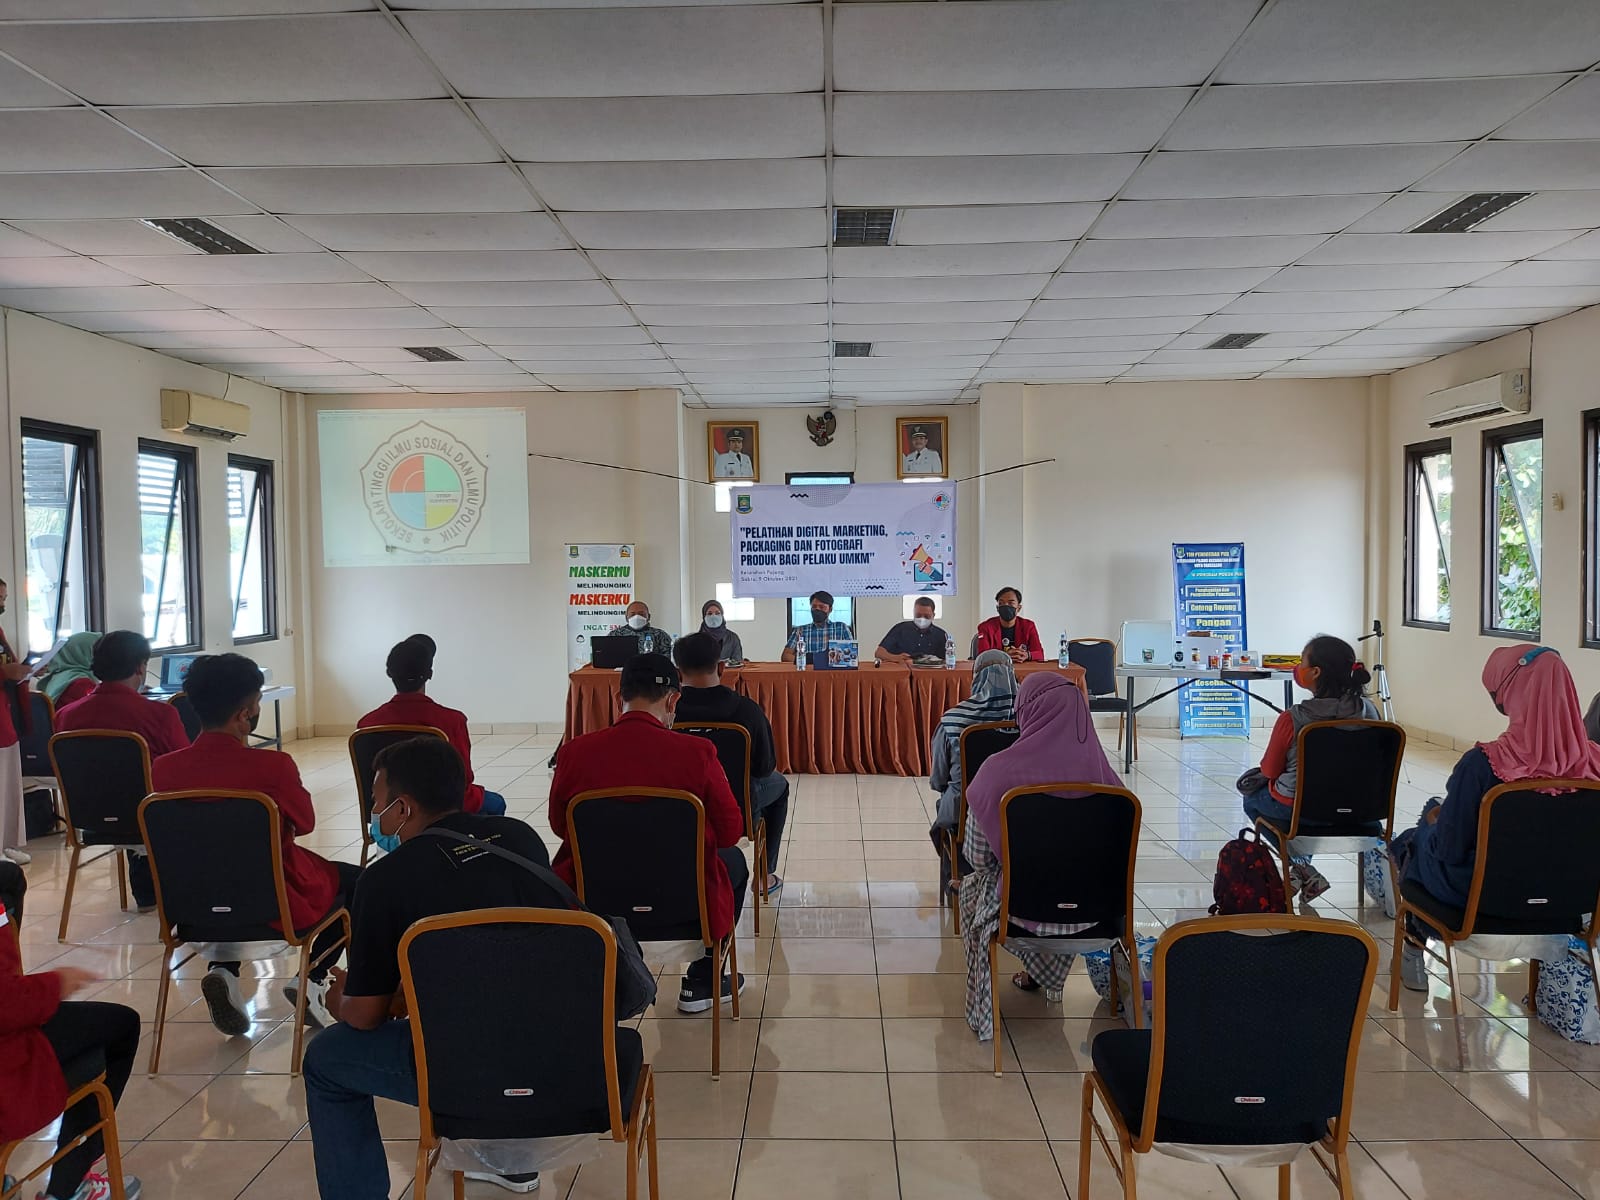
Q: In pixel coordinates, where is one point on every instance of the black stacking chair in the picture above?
(364, 747)
(1068, 860)
(640, 853)
(561, 1064)
(104, 775)
(86, 1080)
(734, 752)
(977, 743)
(1202, 1077)
(1098, 658)
(1347, 774)
(33, 738)
(186, 713)
(1535, 872)
(217, 861)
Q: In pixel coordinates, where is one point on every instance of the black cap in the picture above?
(918, 431)
(649, 671)
(736, 433)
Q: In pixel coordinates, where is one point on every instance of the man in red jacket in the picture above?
(225, 690)
(641, 750)
(120, 660)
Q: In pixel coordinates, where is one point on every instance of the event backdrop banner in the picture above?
(599, 590)
(1208, 583)
(863, 539)
(421, 487)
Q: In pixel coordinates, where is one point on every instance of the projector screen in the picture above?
(421, 487)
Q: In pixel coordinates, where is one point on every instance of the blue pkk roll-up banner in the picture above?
(1208, 589)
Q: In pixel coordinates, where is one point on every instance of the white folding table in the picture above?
(1238, 679)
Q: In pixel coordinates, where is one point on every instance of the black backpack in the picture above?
(39, 816)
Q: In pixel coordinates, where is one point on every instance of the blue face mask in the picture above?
(387, 842)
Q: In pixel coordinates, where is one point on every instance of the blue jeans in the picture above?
(344, 1069)
(1262, 803)
(494, 804)
(770, 799)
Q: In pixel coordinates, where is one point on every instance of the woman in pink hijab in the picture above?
(1057, 744)
(1545, 739)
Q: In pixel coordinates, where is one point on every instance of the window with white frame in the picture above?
(251, 549)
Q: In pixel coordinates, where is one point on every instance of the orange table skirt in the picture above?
(872, 721)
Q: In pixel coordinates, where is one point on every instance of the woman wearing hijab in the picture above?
(69, 675)
(1058, 744)
(993, 698)
(714, 625)
(1545, 739)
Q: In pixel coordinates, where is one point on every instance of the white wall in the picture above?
(60, 374)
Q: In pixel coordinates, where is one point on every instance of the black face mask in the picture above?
(1008, 612)
(255, 720)
(819, 616)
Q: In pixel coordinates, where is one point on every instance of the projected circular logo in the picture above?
(424, 489)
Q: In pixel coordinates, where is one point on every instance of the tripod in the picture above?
(1380, 673)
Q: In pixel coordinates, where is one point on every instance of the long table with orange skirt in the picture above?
(871, 721)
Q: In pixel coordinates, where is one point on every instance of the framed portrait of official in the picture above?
(733, 450)
(921, 446)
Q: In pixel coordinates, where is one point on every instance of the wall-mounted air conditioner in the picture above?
(203, 416)
(1503, 395)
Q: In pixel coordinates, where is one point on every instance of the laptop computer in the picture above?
(614, 650)
(174, 669)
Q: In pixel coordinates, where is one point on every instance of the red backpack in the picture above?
(1248, 879)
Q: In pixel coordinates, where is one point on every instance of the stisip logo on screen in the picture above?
(424, 489)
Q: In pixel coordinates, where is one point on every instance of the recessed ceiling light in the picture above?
(1470, 212)
(202, 235)
(863, 226)
(433, 354)
(852, 349)
(1235, 341)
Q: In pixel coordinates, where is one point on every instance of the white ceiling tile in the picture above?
(152, 320)
(1234, 217)
(1303, 40)
(1400, 213)
(16, 244)
(738, 335)
(1368, 352)
(589, 353)
(993, 223)
(644, 128)
(722, 50)
(598, 381)
(309, 135)
(1547, 210)
(268, 234)
(155, 193)
(950, 287)
(72, 139)
(289, 320)
(1392, 335)
(882, 372)
(900, 331)
(725, 230)
(981, 310)
(1382, 248)
(997, 258)
(1573, 112)
(979, 47)
(979, 179)
(534, 316)
(1444, 318)
(327, 339)
(1522, 167)
(1374, 365)
(246, 341)
(1149, 254)
(1064, 306)
(378, 358)
(750, 355)
(901, 381)
(578, 366)
(1536, 273)
(1584, 246)
(58, 272)
(432, 231)
(1015, 357)
(712, 264)
(1284, 343)
(292, 295)
(350, 383)
(596, 335)
(1059, 122)
(1042, 375)
(445, 266)
(1180, 372)
(1370, 277)
(20, 89)
(579, 291)
(1389, 300)
(489, 383)
(921, 349)
(1354, 114)
(780, 392)
(1213, 280)
(723, 291)
(86, 10)
(1271, 322)
(1325, 170)
(282, 369)
(1085, 345)
(711, 314)
(1111, 326)
(772, 368)
(453, 370)
(93, 299)
(236, 268)
(110, 236)
(638, 187)
(1515, 297)
(1249, 358)
(424, 189)
(354, 57)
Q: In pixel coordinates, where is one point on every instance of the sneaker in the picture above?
(695, 994)
(317, 1014)
(511, 1183)
(1309, 882)
(221, 991)
(98, 1187)
(1413, 968)
(145, 908)
(21, 857)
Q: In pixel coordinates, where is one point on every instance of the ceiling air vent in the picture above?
(852, 349)
(862, 226)
(1470, 212)
(1235, 341)
(433, 354)
(202, 235)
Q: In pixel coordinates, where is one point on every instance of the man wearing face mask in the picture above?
(814, 638)
(1009, 631)
(651, 639)
(225, 690)
(913, 639)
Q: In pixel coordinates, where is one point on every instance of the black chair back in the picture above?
(1537, 859)
(104, 774)
(186, 714)
(639, 853)
(1069, 860)
(977, 743)
(732, 743)
(1098, 658)
(218, 864)
(365, 745)
(545, 982)
(1209, 977)
(1348, 772)
(33, 735)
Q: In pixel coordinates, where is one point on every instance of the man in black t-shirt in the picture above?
(418, 784)
(913, 639)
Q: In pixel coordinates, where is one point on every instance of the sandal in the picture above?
(1024, 982)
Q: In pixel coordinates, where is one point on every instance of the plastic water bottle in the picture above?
(800, 654)
(949, 653)
(1065, 660)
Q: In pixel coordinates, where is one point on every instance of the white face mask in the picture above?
(638, 622)
(921, 622)
(714, 621)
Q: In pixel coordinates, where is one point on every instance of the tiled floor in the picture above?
(852, 1073)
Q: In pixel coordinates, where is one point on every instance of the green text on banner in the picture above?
(599, 589)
